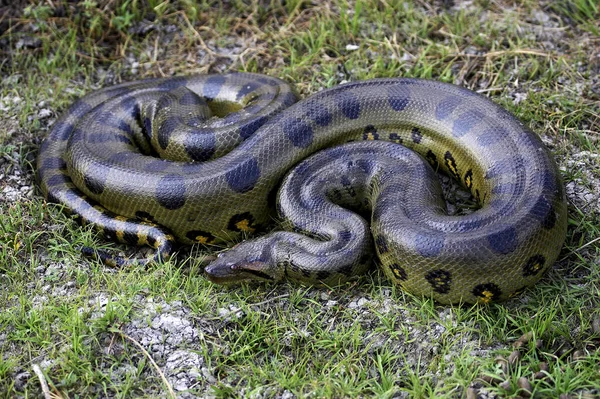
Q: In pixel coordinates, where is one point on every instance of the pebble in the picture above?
(525, 386)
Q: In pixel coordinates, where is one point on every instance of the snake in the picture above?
(351, 173)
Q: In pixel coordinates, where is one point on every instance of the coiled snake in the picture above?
(231, 138)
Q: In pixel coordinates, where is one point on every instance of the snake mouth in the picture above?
(220, 273)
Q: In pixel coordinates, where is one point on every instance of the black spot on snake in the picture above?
(57, 180)
(54, 163)
(243, 176)
(497, 203)
(416, 135)
(249, 128)
(365, 165)
(345, 235)
(465, 122)
(348, 104)
(303, 169)
(106, 118)
(242, 222)
(370, 133)
(123, 139)
(200, 236)
(130, 237)
(469, 179)
(336, 152)
(200, 145)
(156, 165)
(61, 131)
(131, 106)
(192, 168)
(550, 220)
(544, 212)
(47, 143)
(124, 127)
(170, 192)
(395, 137)
(107, 137)
(550, 183)
(110, 230)
(190, 98)
(429, 244)
(504, 241)
(76, 136)
(398, 272)
(440, 280)
(213, 86)
(299, 132)
(150, 237)
(321, 116)
(122, 157)
(487, 292)
(165, 129)
(398, 97)
(534, 265)
(446, 107)
(381, 244)
(432, 158)
(147, 126)
(145, 216)
(96, 181)
(469, 224)
(78, 109)
(451, 165)
(491, 136)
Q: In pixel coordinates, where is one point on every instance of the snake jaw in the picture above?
(239, 264)
(236, 272)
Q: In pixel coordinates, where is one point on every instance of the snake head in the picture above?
(249, 260)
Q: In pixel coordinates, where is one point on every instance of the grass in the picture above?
(82, 322)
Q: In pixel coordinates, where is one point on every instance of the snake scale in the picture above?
(201, 159)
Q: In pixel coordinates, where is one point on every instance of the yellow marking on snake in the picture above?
(202, 239)
(486, 297)
(244, 225)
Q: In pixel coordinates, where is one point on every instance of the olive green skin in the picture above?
(224, 171)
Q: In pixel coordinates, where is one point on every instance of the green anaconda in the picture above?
(199, 159)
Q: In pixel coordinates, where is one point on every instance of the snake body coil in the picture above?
(230, 139)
